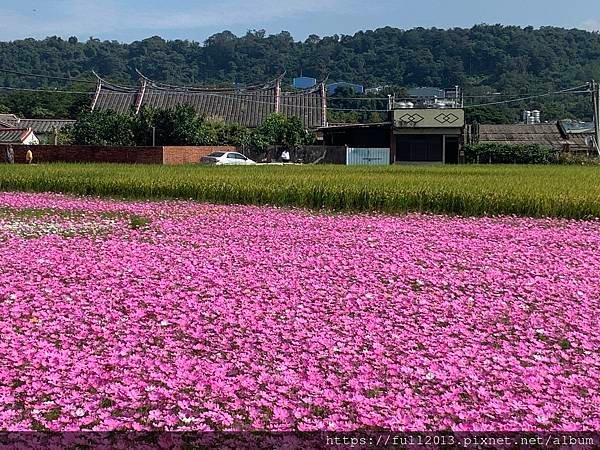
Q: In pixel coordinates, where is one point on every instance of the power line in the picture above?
(573, 90)
(385, 99)
(364, 99)
(532, 97)
(50, 91)
(49, 77)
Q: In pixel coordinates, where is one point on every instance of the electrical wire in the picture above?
(573, 90)
(532, 97)
(56, 91)
(49, 77)
(247, 100)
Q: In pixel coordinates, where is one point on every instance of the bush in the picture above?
(510, 154)
(579, 160)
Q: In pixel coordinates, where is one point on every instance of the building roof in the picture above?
(14, 135)
(8, 118)
(44, 126)
(39, 126)
(304, 82)
(580, 142)
(575, 127)
(247, 106)
(116, 98)
(350, 126)
(426, 92)
(543, 134)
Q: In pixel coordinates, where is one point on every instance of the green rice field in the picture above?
(535, 191)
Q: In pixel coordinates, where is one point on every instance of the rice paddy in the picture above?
(534, 191)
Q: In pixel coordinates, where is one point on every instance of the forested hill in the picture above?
(482, 59)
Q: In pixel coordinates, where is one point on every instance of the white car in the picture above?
(226, 158)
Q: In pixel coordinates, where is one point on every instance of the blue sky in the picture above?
(197, 19)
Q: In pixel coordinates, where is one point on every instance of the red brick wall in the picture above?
(87, 154)
(124, 155)
(190, 155)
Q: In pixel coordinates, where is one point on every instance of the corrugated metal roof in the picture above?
(249, 106)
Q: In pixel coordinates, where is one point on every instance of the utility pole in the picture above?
(596, 109)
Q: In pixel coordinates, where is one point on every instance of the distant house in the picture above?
(376, 90)
(333, 87)
(18, 136)
(419, 132)
(44, 129)
(580, 134)
(551, 135)
(518, 134)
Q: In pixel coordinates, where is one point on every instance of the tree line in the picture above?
(182, 126)
(484, 59)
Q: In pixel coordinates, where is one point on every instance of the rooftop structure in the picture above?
(18, 136)
(574, 127)
(304, 82)
(428, 98)
(426, 92)
(551, 135)
(39, 126)
(580, 134)
(248, 106)
(543, 134)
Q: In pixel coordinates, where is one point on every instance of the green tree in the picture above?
(103, 128)
(279, 129)
(179, 126)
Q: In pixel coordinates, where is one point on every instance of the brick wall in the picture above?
(87, 154)
(123, 155)
(190, 155)
(166, 155)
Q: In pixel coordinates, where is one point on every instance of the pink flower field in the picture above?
(187, 316)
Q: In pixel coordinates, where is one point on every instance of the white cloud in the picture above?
(591, 25)
(231, 12)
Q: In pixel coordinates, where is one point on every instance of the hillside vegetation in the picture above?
(483, 59)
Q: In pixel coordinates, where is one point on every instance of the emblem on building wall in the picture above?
(444, 118)
(411, 118)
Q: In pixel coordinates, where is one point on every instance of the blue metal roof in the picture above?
(304, 82)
